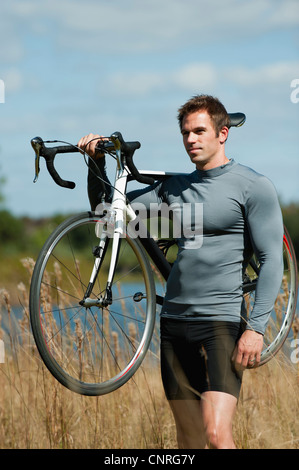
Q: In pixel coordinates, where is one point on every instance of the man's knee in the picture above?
(219, 437)
(212, 437)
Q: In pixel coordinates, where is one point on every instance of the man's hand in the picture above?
(248, 350)
(88, 144)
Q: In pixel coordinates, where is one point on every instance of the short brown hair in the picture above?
(212, 105)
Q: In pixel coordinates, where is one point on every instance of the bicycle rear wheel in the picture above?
(282, 315)
(92, 350)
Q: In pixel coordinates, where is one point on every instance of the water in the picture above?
(12, 327)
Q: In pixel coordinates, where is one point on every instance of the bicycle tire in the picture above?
(90, 350)
(283, 313)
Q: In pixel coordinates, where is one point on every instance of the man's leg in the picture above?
(205, 423)
(189, 425)
(196, 358)
(217, 413)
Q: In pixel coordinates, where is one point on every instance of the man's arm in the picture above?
(96, 168)
(145, 196)
(265, 225)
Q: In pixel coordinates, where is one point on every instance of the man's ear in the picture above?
(223, 135)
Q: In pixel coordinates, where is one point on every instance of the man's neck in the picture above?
(203, 166)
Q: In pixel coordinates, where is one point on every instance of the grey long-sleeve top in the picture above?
(240, 214)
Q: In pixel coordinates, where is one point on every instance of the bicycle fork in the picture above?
(110, 225)
(99, 254)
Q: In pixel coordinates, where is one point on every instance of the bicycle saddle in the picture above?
(236, 119)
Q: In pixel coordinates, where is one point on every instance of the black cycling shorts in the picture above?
(196, 358)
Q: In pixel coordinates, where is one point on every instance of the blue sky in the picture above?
(72, 67)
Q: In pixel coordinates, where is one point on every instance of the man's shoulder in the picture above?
(255, 185)
(176, 178)
(246, 172)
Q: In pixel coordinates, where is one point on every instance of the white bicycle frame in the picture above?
(112, 224)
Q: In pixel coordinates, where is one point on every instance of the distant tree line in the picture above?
(23, 234)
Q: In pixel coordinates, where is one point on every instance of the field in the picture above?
(36, 412)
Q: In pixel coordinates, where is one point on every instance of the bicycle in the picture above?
(93, 290)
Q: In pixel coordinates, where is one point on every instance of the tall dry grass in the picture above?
(36, 412)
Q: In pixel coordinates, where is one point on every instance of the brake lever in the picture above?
(37, 144)
(49, 154)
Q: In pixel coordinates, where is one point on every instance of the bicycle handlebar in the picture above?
(128, 149)
(115, 142)
(49, 154)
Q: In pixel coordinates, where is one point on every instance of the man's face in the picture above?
(204, 148)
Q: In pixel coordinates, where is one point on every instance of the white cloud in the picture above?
(278, 73)
(196, 76)
(150, 25)
(136, 84)
(285, 13)
(13, 79)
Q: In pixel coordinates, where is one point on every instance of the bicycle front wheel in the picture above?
(94, 349)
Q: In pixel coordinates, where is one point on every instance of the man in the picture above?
(205, 340)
